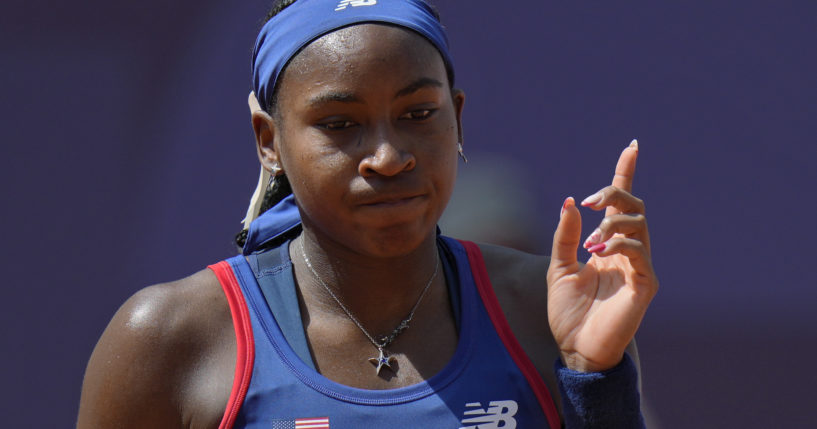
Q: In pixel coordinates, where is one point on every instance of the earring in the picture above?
(462, 154)
(274, 170)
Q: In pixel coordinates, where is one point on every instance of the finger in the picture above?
(634, 250)
(628, 225)
(617, 198)
(253, 102)
(563, 259)
(625, 170)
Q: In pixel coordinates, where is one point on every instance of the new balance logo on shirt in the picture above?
(498, 415)
(354, 3)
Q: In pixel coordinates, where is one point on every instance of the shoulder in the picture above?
(148, 367)
(173, 314)
(504, 263)
(182, 313)
(519, 281)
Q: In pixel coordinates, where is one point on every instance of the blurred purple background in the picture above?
(128, 160)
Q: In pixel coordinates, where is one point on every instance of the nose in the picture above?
(387, 159)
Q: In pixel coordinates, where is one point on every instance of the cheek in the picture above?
(305, 151)
(442, 163)
(449, 177)
(306, 165)
(449, 161)
(445, 138)
(317, 175)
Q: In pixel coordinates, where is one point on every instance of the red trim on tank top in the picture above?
(486, 292)
(245, 346)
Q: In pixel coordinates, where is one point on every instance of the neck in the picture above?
(378, 291)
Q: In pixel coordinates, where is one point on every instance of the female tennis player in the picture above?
(347, 307)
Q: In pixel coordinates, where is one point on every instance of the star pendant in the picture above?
(382, 361)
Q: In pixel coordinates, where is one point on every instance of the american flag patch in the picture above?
(310, 423)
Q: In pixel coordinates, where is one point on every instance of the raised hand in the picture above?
(594, 310)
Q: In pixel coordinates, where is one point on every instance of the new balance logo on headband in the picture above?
(354, 3)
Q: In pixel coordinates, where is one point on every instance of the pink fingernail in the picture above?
(597, 248)
(593, 199)
(569, 202)
(593, 238)
(634, 144)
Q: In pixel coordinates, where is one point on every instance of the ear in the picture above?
(264, 128)
(458, 97)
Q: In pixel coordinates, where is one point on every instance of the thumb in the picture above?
(563, 259)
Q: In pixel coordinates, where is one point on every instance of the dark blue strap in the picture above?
(273, 271)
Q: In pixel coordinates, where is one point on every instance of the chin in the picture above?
(396, 241)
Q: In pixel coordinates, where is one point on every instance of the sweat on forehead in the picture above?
(286, 33)
(342, 50)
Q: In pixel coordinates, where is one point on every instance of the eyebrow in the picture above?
(348, 97)
(333, 97)
(417, 85)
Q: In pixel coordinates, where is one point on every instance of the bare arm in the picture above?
(165, 360)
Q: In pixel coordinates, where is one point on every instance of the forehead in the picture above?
(363, 51)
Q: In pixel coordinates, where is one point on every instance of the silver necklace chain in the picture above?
(386, 340)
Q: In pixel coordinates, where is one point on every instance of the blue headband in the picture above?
(283, 36)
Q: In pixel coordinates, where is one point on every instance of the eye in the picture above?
(418, 115)
(337, 125)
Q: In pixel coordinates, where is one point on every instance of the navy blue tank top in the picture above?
(488, 383)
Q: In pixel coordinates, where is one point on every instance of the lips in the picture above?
(392, 200)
